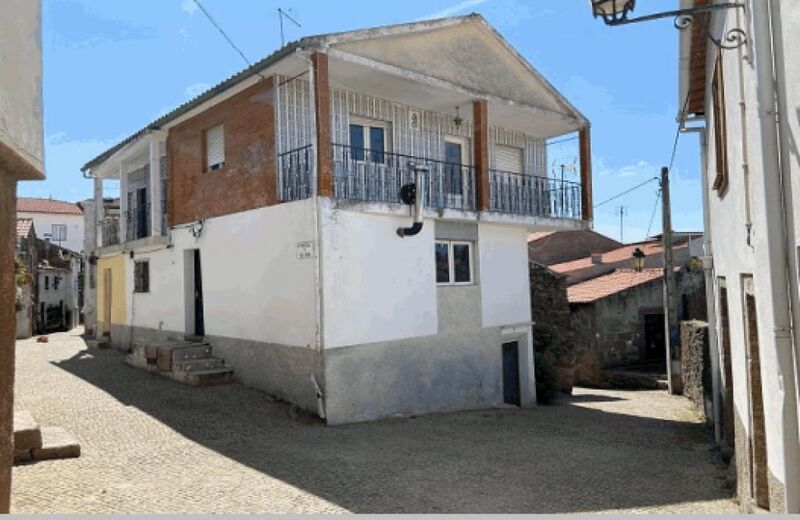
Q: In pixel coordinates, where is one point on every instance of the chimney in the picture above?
(597, 258)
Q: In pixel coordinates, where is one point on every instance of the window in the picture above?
(368, 139)
(56, 282)
(215, 148)
(720, 128)
(508, 159)
(141, 276)
(453, 262)
(46, 283)
(58, 233)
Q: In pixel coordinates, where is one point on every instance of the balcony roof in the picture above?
(517, 93)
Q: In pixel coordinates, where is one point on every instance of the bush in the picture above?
(546, 380)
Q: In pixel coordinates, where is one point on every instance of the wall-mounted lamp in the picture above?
(615, 12)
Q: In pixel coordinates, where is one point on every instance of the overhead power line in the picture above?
(615, 197)
(224, 35)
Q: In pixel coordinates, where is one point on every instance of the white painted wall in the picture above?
(43, 223)
(21, 80)
(503, 264)
(254, 286)
(376, 285)
(735, 255)
(51, 295)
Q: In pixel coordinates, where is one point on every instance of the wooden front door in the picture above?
(107, 292)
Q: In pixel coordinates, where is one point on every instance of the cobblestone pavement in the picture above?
(152, 445)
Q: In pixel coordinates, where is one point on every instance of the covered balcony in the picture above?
(136, 172)
(352, 127)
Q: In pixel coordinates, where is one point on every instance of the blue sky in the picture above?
(111, 67)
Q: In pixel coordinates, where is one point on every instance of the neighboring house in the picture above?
(263, 215)
(21, 158)
(556, 247)
(59, 221)
(744, 103)
(110, 212)
(28, 258)
(618, 319)
(57, 295)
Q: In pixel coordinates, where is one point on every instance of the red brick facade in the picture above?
(322, 106)
(585, 145)
(248, 178)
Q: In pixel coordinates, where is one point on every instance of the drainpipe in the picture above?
(413, 192)
(708, 272)
(776, 238)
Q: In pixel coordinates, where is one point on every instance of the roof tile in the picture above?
(612, 283)
(34, 205)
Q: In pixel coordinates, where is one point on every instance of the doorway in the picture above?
(199, 323)
(729, 433)
(511, 386)
(759, 481)
(654, 344)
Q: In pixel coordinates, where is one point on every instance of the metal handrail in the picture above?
(522, 194)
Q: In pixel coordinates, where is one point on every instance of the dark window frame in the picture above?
(141, 276)
(720, 128)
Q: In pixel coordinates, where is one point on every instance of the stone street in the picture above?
(151, 445)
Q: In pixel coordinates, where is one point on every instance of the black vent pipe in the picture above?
(412, 194)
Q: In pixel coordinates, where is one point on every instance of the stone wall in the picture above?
(696, 367)
(549, 305)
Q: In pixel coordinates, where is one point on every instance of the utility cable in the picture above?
(653, 214)
(648, 181)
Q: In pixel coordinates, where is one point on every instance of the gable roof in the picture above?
(612, 283)
(24, 226)
(325, 41)
(36, 205)
(558, 247)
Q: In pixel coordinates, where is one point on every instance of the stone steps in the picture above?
(190, 362)
(33, 443)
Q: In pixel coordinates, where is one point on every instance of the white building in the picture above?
(264, 214)
(21, 158)
(744, 103)
(58, 297)
(59, 221)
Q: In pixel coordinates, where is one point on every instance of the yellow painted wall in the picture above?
(118, 304)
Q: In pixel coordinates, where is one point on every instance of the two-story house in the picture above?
(743, 102)
(58, 221)
(263, 215)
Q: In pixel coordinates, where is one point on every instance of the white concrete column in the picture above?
(98, 210)
(123, 203)
(155, 183)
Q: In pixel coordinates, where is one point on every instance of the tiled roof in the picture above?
(24, 226)
(612, 283)
(34, 205)
(616, 255)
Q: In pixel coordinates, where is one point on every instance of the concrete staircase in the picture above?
(188, 362)
(32, 442)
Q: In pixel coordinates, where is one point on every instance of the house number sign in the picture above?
(305, 250)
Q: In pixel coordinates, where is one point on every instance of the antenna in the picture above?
(621, 211)
(281, 15)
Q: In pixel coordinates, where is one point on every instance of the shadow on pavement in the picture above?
(557, 459)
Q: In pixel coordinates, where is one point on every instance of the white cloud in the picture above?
(189, 7)
(454, 9)
(195, 90)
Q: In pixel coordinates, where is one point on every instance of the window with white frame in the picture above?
(58, 233)
(453, 262)
(215, 148)
(368, 140)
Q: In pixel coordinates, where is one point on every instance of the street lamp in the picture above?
(612, 11)
(638, 259)
(615, 12)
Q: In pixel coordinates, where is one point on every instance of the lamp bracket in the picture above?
(685, 18)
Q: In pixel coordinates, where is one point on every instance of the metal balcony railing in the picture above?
(295, 168)
(377, 176)
(532, 195)
(137, 222)
(109, 231)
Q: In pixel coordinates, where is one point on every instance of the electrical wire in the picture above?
(575, 138)
(653, 214)
(648, 181)
(225, 35)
